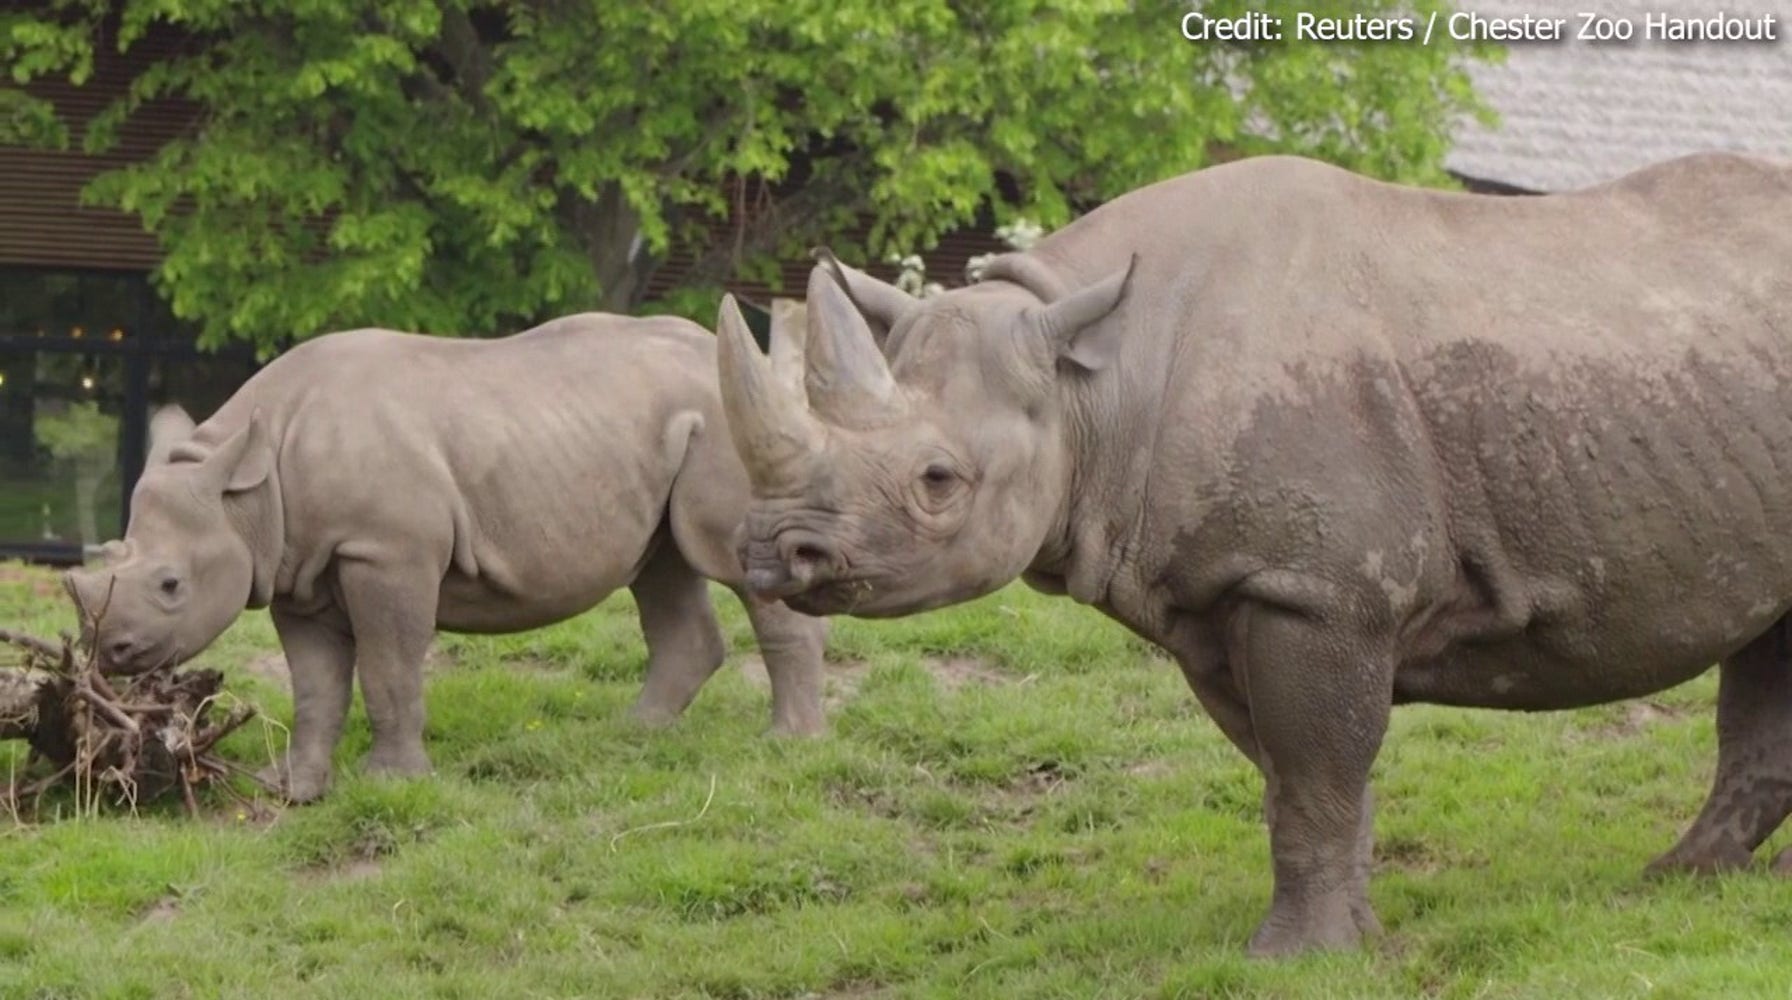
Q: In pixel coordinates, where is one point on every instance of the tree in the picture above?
(471, 165)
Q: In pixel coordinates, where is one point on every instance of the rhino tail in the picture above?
(676, 442)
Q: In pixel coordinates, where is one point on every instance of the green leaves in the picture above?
(475, 165)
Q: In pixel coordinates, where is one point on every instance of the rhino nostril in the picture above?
(121, 649)
(810, 553)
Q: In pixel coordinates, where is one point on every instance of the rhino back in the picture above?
(1532, 435)
(535, 468)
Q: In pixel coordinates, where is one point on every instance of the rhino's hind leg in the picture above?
(320, 658)
(1752, 793)
(392, 610)
(1319, 700)
(791, 645)
(684, 643)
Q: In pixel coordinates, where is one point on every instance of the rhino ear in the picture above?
(243, 461)
(1072, 324)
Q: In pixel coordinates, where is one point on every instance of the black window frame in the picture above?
(150, 338)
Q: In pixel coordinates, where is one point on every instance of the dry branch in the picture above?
(151, 734)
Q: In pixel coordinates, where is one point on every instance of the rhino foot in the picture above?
(1712, 860)
(400, 762)
(1336, 924)
(652, 713)
(799, 728)
(306, 785)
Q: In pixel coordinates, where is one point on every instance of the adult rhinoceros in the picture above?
(371, 486)
(1336, 445)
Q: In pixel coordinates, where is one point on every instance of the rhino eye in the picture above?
(937, 475)
(170, 585)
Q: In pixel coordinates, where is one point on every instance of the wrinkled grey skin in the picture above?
(1336, 445)
(371, 487)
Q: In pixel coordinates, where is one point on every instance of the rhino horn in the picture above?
(790, 332)
(767, 416)
(91, 591)
(882, 304)
(168, 426)
(848, 381)
(1066, 321)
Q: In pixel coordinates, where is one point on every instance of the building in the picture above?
(86, 347)
(88, 350)
(1575, 113)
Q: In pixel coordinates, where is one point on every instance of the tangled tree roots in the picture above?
(126, 744)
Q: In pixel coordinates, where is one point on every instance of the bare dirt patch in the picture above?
(355, 869)
(1639, 717)
(161, 911)
(956, 672)
(1155, 768)
(843, 678)
(269, 667)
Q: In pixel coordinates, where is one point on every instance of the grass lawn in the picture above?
(1017, 800)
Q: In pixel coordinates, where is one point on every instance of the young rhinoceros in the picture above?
(371, 487)
(1335, 445)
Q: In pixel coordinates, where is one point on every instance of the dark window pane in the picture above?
(59, 426)
(199, 385)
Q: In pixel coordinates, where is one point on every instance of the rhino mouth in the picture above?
(129, 663)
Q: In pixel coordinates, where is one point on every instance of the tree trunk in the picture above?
(611, 233)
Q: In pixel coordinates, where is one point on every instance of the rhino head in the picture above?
(187, 564)
(910, 453)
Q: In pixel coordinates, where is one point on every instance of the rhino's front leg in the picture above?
(684, 643)
(792, 646)
(1319, 700)
(392, 610)
(320, 659)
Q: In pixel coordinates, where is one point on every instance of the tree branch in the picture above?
(769, 229)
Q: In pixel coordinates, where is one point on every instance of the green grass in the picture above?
(1047, 815)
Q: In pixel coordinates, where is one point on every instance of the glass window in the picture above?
(199, 385)
(59, 427)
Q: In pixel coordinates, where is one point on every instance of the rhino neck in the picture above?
(1108, 436)
(258, 517)
(1097, 502)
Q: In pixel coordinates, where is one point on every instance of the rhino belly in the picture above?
(1605, 647)
(472, 604)
(535, 557)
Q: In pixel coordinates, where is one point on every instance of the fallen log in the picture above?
(151, 734)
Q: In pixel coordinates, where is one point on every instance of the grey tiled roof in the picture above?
(1577, 113)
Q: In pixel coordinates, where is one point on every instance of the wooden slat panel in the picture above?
(42, 221)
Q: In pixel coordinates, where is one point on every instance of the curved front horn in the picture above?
(767, 417)
(849, 382)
